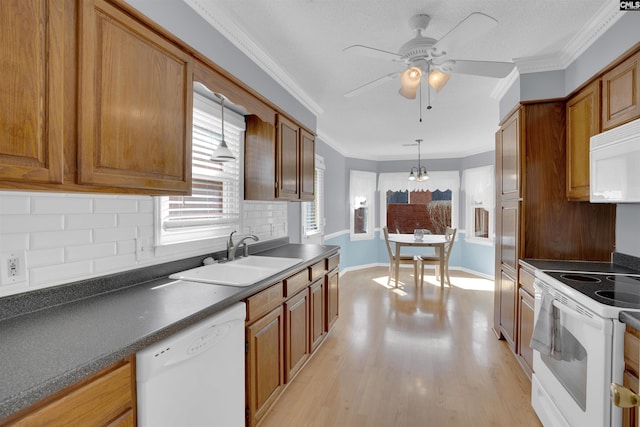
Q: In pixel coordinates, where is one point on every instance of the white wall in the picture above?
(69, 237)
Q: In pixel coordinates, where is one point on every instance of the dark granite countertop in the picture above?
(52, 346)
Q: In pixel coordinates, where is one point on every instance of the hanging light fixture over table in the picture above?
(418, 173)
(222, 153)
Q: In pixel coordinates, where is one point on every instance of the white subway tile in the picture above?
(44, 257)
(62, 205)
(82, 252)
(116, 263)
(75, 222)
(30, 223)
(113, 234)
(14, 241)
(146, 231)
(57, 239)
(146, 204)
(14, 205)
(57, 274)
(136, 219)
(109, 205)
(126, 247)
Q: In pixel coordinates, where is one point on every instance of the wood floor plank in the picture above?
(409, 357)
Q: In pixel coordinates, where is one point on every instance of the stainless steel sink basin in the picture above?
(240, 272)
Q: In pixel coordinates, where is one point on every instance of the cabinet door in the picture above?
(508, 297)
(583, 121)
(287, 158)
(316, 304)
(621, 93)
(265, 363)
(331, 284)
(259, 159)
(508, 152)
(135, 106)
(307, 165)
(296, 333)
(525, 330)
(32, 97)
(509, 235)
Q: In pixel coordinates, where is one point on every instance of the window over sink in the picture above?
(214, 207)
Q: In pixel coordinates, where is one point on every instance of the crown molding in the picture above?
(504, 84)
(219, 19)
(608, 15)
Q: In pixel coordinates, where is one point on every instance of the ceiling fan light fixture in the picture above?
(437, 79)
(410, 81)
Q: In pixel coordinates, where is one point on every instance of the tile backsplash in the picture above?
(67, 237)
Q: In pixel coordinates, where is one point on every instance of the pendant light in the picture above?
(222, 153)
(418, 173)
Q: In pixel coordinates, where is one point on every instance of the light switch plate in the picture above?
(143, 248)
(13, 268)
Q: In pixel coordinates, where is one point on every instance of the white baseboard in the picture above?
(431, 267)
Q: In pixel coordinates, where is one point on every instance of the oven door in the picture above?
(574, 392)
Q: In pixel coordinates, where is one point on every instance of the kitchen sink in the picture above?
(241, 272)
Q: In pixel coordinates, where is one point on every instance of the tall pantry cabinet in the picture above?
(534, 218)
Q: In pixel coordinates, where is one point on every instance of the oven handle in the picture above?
(596, 322)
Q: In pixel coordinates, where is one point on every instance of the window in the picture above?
(313, 212)
(214, 207)
(430, 205)
(478, 185)
(362, 190)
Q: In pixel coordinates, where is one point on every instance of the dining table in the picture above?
(428, 240)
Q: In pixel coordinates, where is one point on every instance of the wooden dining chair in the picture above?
(404, 259)
(450, 235)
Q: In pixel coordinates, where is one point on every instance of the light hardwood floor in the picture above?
(409, 357)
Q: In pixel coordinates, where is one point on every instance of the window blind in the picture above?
(313, 210)
(213, 209)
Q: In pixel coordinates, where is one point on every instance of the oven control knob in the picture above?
(623, 397)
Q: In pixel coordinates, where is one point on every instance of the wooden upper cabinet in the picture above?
(136, 100)
(32, 90)
(621, 93)
(287, 158)
(508, 146)
(307, 165)
(583, 121)
(259, 159)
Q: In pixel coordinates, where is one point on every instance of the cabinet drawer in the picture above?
(264, 301)
(108, 396)
(526, 281)
(316, 271)
(332, 262)
(295, 283)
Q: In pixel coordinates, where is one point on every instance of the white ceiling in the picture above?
(300, 43)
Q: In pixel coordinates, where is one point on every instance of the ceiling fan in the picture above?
(425, 56)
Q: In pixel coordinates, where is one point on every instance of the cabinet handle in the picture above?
(623, 397)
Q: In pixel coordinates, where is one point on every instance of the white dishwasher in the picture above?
(195, 378)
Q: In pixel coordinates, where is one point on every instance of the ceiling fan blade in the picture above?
(480, 68)
(372, 84)
(372, 52)
(468, 29)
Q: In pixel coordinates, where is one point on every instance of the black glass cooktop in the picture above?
(614, 290)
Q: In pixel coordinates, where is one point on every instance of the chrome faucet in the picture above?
(232, 248)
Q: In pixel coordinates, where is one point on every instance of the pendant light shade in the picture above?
(222, 153)
(410, 80)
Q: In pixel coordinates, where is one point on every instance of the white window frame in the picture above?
(232, 171)
(362, 185)
(479, 188)
(314, 234)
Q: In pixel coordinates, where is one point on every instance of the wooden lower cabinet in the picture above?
(297, 333)
(318, 314)
(525, 330)
(332, 280)
(264, 363)
(508, 291)
(630, 416)
(107, 398)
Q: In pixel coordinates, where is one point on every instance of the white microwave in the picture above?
(615, 165)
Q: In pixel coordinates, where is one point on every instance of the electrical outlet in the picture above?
(13, 268)
(143, 248)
